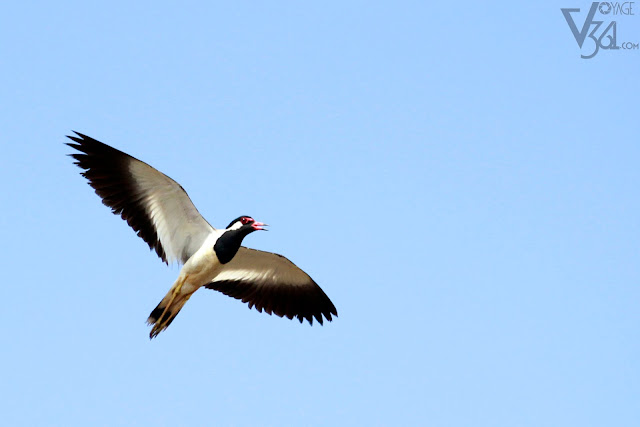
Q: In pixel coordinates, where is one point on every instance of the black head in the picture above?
(246, 223)
(229, 242)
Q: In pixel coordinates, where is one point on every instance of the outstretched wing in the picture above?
(153, 204)
(272, 283)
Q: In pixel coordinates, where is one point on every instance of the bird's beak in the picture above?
(259, 225)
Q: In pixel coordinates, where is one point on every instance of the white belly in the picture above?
(200, 269)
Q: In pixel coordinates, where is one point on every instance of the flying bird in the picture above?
(162, 214)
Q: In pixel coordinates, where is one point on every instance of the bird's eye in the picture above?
(245, 220)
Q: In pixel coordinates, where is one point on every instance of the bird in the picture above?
(159, 210)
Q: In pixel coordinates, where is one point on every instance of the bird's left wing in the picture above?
(272, 283)
(153, 204)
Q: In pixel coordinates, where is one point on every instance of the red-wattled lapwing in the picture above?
(162, 214)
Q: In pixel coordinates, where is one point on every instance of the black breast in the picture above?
(228, 244)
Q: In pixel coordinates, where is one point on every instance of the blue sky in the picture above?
(461, 184)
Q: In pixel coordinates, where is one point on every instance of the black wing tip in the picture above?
(105, 169)
(305, 306)
(317, 316)
(81, 143)
(89, 145)
(309, 316)
(79, 137)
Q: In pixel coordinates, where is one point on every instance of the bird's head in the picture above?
(246, 224)
(229, 242)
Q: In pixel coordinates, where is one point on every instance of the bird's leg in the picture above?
(162, 322)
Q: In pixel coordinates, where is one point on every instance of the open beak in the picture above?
(259, 225)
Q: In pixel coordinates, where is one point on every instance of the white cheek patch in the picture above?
(236, 225)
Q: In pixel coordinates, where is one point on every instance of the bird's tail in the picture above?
(167, 310)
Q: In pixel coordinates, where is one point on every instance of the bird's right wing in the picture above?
(272, 283)
(153, 204)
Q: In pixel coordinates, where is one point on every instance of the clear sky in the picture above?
(457, 179)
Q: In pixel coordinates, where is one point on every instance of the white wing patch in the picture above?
(180, 227)
(263, 268)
